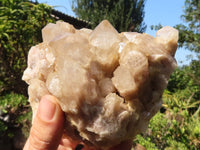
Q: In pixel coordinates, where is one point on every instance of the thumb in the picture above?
(47, 127)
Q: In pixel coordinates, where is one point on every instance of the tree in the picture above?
(188, 77)
(190, 35)
(20, 27)
(178, 127)
(124, 15)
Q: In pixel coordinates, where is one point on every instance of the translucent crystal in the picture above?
(109, 84)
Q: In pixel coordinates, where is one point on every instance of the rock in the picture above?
(109, 84)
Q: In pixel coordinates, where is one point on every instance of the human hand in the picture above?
(47, 129)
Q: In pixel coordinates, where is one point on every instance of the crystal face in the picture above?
(109, 84)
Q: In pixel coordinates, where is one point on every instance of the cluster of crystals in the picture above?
(108, 84)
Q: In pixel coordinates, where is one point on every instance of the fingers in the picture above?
(126, 145)
(47, 129)
(47, 126)
(67, 144)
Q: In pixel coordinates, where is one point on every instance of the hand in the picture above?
(47, 129)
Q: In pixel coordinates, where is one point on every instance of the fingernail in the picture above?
(47, 109)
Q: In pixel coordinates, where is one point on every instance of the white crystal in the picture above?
(108, 84)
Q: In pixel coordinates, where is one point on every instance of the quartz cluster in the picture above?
(109, 84)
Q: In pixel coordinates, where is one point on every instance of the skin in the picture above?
(47, 129)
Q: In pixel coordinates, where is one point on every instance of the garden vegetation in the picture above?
(175, 127)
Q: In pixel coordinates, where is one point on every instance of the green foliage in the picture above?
(146, 142)
(156, 27)
(183, 99)
(20, 27)
(186, 78)
(24, 120)
(179, 80)
(177, 128)
(3, 127)
(15, 107)
(190, 35)
(124, 15)
(12, 101)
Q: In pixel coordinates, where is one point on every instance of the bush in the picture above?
(186, 77)
(20, 28)
(12, 117)
(177, 128)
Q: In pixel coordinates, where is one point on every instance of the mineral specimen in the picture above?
(109, 84)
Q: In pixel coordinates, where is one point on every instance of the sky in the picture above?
(164, 12)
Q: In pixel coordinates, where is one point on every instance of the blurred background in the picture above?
(176, 126)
